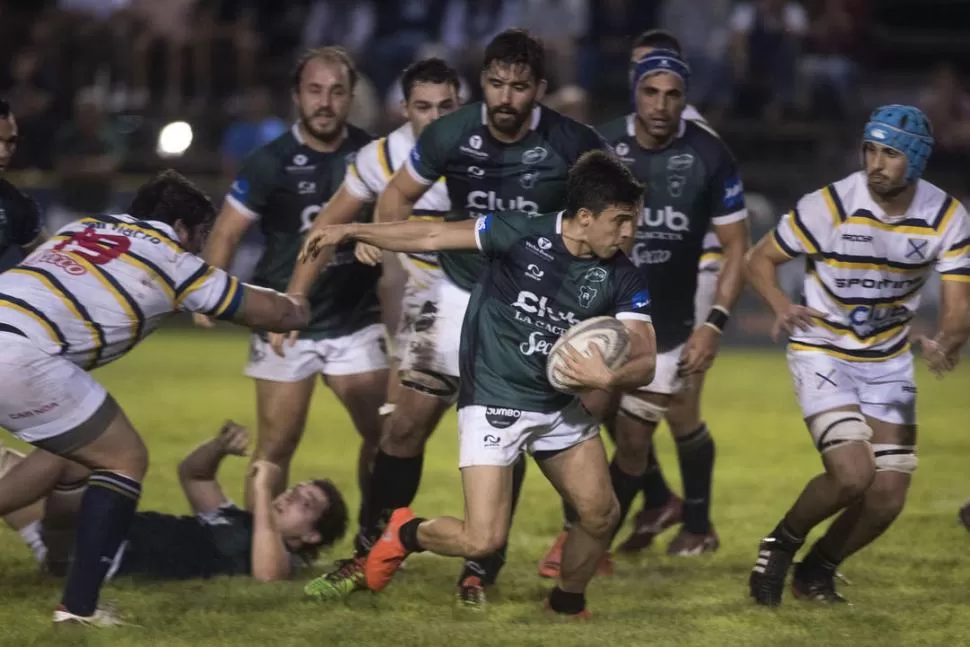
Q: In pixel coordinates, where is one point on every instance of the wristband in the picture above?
(717, 318)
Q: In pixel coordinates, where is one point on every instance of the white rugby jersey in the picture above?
(103, 283)
(369, 175)
(865, 270)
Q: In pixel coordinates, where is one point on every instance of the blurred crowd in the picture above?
(80, 69)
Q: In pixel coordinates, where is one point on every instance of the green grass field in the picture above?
(910, 588)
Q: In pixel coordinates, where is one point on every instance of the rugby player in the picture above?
(270, 543)
(870, 242)
(19, 221)
(506, 153)
(83, 299)
(545, 273)
(282, 186)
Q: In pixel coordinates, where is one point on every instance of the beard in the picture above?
(326, 134)
(511, 119)
(884, 189)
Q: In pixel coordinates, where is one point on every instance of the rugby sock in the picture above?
(106, 512)
(656, 492)
(816, 564)
(626, 488)
(788, 539)
(408, 535)
(394, 484)
(696, 454)
(565, 602)
(487, 568)
(32, 537)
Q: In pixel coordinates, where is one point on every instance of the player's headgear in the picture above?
(905, 129)
(657, 61)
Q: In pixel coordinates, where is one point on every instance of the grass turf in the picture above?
(909, 588)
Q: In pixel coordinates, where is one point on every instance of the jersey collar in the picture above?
(163, 227)
(870, 204)
(559, 222)
(297, 135)
(536, 116)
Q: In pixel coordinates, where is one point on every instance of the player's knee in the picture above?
(895, 458)
(277, 448)
(832, 429)
(600, 520)
(484, 544)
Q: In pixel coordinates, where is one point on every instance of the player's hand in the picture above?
(295, 318)
(794, 318)
(203, 321)
(317, 239)
(589, 371)
(699, 351)
(368, 254)
(262, 473)
(279, 340)
(233, 439)
(937, 359)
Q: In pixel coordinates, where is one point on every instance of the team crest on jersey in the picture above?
(622, 149)
(595, 275)
(680, 162)
(473, 149)
(534, 155)
(529, 179)
(675, 185)
(586, 296)
(300, 159)
(916, 248)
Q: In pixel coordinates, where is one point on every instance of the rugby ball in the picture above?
(607, 333)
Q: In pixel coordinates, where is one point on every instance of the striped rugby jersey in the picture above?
(865, 270)
(711, 252)
(369, 175)
(103, 283)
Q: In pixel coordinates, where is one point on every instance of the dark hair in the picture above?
(329, 54)
(429, 70)
(332, 524)
(168, 197)
(597, 181)
(660, 38)
(517, 47)
(5, 111)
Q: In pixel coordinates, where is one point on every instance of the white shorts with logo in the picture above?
(498, 435)
(363, 351)
(884, 390)
(42, 395)
(434, 344)
(415, 297)
(665, 378)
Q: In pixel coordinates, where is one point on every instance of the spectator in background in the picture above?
(348, 23)
(829, 68)
(87, 154)
(947, 104)
(701, 26)
(223, 21)
(258, 126)
(99, 34)
(160, 24)
(572, 101)
(468, 26)
(31, 97)
(766, 38)
(401, 29)
(560, 24)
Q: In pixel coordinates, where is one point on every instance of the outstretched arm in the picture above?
(410, 237)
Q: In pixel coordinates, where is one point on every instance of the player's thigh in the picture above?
(580, 474)
(281, 414)
(821, 382)
(355, 367)
(487, 491)
(684, 411)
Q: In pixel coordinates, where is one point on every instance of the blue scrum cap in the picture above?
(905, 129)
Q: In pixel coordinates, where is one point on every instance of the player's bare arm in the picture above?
(270, 558)
(943, 351)
(399, 197)
(408, 237)
(264, 309)
(760, 269)
(197, 471)
(223, 242)
(702, 347)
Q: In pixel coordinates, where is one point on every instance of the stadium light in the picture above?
(174, 139)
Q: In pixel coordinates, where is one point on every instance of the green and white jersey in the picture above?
(19, 220)
(484, 175)
(532, 291)
(692, 184)
(283, 185)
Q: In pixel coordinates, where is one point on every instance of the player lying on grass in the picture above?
(83, 299)
(217, 539)
(545, 273)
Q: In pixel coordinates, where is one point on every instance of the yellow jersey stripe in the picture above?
(782, 247)
(153, 270)
(804, 235)
(75, 307)
(423, 263)
(959, 249)
(853, 356)
(127, 304)
(232, 288)
(834, 204)
(946, 214)
(384, 156)
(193, 283)
(875, 339)
(868, 220)
(707, 257)
(851, 303)
(956, 278)
(12, 302)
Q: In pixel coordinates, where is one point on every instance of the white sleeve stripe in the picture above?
(357, 187)
(727, 219)
(638, 316)
(478, 234)
(414, 173)
(241, 208)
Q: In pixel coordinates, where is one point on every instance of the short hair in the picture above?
(659, 38)
(599, 180)
(429, 70)
(169, 197)
(329, 54)
(5, 110)
(517, 47)
(332, 524)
